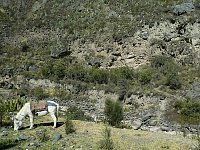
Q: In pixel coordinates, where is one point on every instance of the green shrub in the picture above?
(189, 111)
(99, 76)
(39, 93)
(14, 104)
(2, 113)
(69, 127)
(145, 75)
(42, 135)
(76, 72)
(113, 112)
(77, 114)
(166, 70)
(173, 81)
(9, 106)
(45, 71)
(7, 143)
(123, 73)
(158, 61)
(106, 143)
(59, 69)
(164, 64)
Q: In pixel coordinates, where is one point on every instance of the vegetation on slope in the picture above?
(122, 139)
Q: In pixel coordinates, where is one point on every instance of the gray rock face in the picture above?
(194, 91)
(183, 8)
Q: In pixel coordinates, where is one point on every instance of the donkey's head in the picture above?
(17, 124)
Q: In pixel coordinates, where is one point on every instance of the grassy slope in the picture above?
(88, 134)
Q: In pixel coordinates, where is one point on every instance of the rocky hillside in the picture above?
(145, 54)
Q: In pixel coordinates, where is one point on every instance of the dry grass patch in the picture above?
(88, 135)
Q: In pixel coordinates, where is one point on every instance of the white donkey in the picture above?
(52, 108)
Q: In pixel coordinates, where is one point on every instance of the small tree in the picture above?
(106, 143)
(69, 127)
(113, 112)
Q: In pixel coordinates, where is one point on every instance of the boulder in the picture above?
(21, 137)
(146, 117)
(136, 124)
(56, 137)
(165, 128)
(183, 8)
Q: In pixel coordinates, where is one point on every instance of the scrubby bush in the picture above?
(9, 106)
(39, 93)
(7, 143)
(2, 113)
(99, 76)
(106, 143)
(167, 69)
(76, 72)
(45, 71)
(145, 75)
(158, 61)
(59, 69)
(42, 135)
(173, 81)
(123, 73)
(69, 127)
(164, 64)
(77, 114)
(188, 111)
(113, 112)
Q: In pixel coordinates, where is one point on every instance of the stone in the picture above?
(146, 117)
(136, 124)
(56, 137)
(34, 144)
(165, 128)
(21, 137)
(153, 122)
(154, 129)
(4, 133)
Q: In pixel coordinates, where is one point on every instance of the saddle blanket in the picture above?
(39, 106)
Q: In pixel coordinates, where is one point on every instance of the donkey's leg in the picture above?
(54, 119)
(31, 121)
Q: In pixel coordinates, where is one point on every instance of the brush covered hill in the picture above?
(143, 53)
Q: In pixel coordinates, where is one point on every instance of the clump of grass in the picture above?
(7, 143)
(113, 112)
(106, 143)
(43, 135)
(69, 127)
